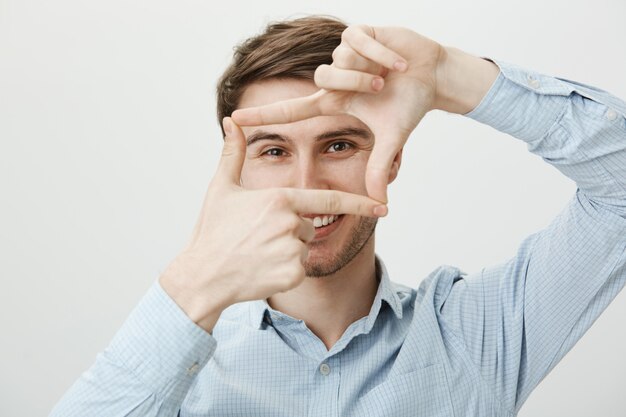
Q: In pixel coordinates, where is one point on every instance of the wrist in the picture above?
(462, 80)
(202, 303)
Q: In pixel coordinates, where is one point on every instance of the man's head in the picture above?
(289, 49)
(324, 152)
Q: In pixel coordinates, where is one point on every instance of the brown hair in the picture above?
(286, 49)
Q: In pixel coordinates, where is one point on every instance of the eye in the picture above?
(274, 152)
(339, 147)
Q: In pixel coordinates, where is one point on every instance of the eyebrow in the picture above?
(331, 134)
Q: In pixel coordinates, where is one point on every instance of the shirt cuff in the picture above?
(526, 104)
(160, 344)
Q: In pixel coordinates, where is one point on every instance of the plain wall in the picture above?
(108, 138)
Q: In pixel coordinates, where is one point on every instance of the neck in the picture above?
(329, 305)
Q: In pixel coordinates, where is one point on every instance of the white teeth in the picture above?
(324, 220)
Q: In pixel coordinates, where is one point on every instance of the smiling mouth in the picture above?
(325, 220)
(325, 224)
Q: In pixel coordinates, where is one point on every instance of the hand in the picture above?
(386, 77)
(249, 244)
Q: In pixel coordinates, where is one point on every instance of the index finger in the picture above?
(334, 202)
(285, 111)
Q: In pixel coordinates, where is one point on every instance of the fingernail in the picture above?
(377, 84)
(227, 125)
(381, 210)
(400, 66)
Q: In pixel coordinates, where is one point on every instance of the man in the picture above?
(278, 306)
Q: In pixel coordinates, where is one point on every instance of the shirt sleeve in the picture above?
(148, 367)
(518, 319)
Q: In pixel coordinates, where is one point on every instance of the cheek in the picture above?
(257, 176)
(349, 175)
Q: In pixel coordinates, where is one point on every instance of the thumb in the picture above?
(233, 153)
(378, 168)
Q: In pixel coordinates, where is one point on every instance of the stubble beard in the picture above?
(361, 234)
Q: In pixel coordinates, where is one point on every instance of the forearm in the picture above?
(579, 129)
(148, 367)
(462, 80)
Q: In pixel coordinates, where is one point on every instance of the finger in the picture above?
(346, 58)
(362, 39)
(285, 111)
(333, 78)
(378, 168)
(233, 153)
(333, 202)
(306, 231)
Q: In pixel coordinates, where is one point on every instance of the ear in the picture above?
(395, 166)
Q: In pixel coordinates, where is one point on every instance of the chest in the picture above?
(373, 376)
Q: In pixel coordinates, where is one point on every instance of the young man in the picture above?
(278, 306)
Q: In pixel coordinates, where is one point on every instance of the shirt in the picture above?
(461, 344)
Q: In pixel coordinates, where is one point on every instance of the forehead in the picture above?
(274, 90)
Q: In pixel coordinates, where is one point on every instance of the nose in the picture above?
(307, 174)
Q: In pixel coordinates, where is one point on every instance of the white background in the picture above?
(108, 138)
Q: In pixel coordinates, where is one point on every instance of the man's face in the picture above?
(324, 152)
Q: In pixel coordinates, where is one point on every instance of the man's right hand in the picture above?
(248, 244)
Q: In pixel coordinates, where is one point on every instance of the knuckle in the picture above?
(293, 275)
(343, 57)
(333, 204)
(364, 81)
(295, 251)
(321, 74)
(297, 272)
(286, 111)
(368, 30)
(278, 200)
(292, 223)
(347, 32)
(332, 102)
(352, 34)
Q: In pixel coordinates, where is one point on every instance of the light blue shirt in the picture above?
(462, 345)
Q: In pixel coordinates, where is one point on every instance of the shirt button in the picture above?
(534, 83)
(193, 369)
(324, 369)
(611, 114)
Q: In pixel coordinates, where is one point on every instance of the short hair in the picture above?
(289, 49)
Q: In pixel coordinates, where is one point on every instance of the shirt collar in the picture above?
(261, 312)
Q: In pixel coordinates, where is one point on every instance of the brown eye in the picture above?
(339, 147)
(274, 152)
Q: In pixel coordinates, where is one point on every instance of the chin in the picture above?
(324, 261)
